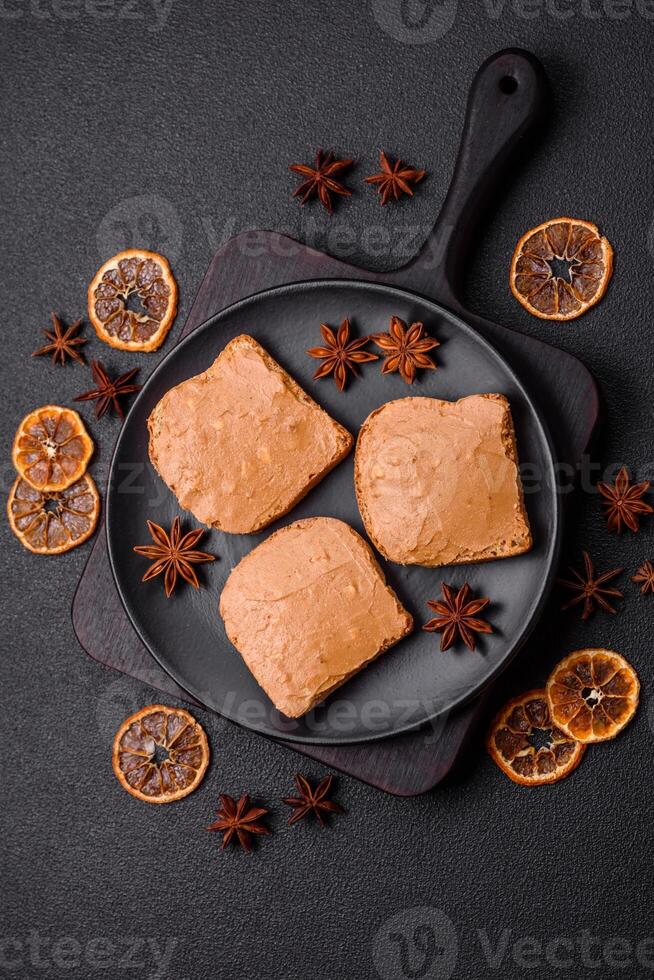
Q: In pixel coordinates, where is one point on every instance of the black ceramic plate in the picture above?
(412, 683)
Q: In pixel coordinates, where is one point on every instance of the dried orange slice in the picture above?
(50, 523)
(145, 276)
(160, 754)
(593, 694)
(52, 448)
(526, 745)
(561, 268)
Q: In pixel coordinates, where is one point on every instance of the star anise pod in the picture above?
(340, 353)
(320, 180)
(109, 392)
(645, 577)
(173, 555)
(62, 342)
(622, 502)
(392, 181)
(591, 589)
(312, 800)
(458, 617)
(238, 822)
(405, 349)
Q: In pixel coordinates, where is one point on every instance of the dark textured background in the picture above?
(119, 129)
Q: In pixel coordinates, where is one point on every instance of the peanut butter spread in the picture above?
(308, 608)
(241, 443)
(437, 482)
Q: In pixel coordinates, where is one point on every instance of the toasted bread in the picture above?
(240, 444)
(437, 482)
(307, 609)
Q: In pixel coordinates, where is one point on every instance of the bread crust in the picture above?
(344, 439)
(524, 544)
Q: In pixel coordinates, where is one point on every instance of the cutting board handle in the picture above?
(506, 99)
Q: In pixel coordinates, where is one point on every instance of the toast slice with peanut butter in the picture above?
(240, 444)
(307, 609)
(437, 482)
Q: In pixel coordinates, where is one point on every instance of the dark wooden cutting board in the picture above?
(496, 122)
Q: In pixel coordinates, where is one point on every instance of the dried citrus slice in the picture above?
(50, 523)
(160, 754)
(52, 448)
(147, 278)
(593, 694)
(561, 268)
(526, 745)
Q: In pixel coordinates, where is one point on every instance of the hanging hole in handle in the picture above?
(508, 84)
